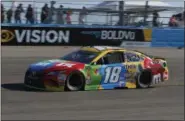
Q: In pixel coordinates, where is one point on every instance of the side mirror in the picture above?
(94, 63)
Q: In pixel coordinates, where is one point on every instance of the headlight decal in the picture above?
(61, 77)
(52, 73)
(55, 73)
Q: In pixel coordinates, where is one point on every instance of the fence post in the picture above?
(146, 12)
(121, 13)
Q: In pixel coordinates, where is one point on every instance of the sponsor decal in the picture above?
(42, 63)
(156, 61)
(130, 85)
(61, 79)
(42, 36)
(117, 35)
(88, 75)
(165, 75)
(47, 62)
(130, 72)
(128, 67)
(69, 65)
(122, 84)
(128, 75)
(6, 36)
(68, 36)
(97, 34)
(156, 78)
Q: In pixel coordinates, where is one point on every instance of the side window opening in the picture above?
(100, 62)
(111, 58)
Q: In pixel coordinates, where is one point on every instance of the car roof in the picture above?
(109, 48)
(101, 48)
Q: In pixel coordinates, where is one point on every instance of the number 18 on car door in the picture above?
(113, 75)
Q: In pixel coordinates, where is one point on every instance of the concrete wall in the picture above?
(168, 37)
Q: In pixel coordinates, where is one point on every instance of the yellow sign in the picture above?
(6, 36)
(147, 34)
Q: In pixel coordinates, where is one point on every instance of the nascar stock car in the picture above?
(97, 68)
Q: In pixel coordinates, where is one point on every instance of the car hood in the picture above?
(55, 64)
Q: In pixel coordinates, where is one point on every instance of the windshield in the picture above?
(80, 56)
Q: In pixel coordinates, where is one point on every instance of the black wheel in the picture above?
(144, 79)
(75, 82)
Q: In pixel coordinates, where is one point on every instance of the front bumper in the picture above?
(47, 88)
(37, 80)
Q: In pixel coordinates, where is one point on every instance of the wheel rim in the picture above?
(74, 85)
(142, 84)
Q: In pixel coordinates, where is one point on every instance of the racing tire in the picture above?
(75, 82)
(144, 79)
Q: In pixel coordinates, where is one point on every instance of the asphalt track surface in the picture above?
(164, 102)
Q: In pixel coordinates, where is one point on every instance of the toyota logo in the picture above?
(33, 73)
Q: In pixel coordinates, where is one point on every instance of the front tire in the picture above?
(144, 79)
(75, 82)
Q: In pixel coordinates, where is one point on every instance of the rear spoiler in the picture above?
(151, 56)
(157, 57)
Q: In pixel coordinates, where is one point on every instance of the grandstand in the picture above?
(105, 13)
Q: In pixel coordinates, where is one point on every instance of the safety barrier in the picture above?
(167, 37)
(54, 34)
(74, 35)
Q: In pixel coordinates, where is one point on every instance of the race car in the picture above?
(97, 68)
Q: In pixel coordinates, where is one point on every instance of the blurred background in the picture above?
(117, 13)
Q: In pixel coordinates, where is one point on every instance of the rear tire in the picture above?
(144, 79)
(75, 82)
